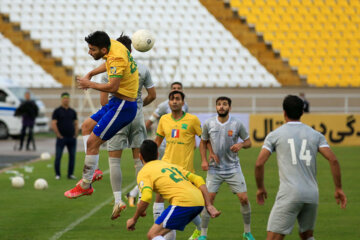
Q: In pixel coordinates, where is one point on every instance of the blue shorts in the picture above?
(176, 217)
(113, 116)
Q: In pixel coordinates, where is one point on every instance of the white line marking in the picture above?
(89, 214)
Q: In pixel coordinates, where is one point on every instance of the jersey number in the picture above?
(175, 175)
(304, 154)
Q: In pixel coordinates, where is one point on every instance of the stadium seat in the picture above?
(185, 32)
(306, 30)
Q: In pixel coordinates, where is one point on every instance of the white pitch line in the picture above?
(89, 214)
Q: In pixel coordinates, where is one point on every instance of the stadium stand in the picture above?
(320, 38)
(17, 68)
(191, 45)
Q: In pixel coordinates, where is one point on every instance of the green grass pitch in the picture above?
(31, 214)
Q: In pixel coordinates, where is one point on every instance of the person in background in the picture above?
(306, 103)
(65, 125)
(29, 111)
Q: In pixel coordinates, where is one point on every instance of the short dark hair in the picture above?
(293, 107)
(125, 40)
(225, 99)
(149, 150)
(176, 83)
(65, 94)
(171, 94)
(99, 39)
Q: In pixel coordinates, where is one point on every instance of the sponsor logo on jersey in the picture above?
(112, 70)
(175, 133)
(230, 133)
(184, 126)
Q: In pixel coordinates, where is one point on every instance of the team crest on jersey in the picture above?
(112, 70)
(184, 126)
(230, 133)
(141, 184)
(175, 133)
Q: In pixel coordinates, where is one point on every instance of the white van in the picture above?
(10, 100)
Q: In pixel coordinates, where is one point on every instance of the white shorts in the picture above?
(284, 214)
(131, 136)
(236, 182)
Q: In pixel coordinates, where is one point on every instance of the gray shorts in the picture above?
(236, 182)
(131, 136)
(284, 214)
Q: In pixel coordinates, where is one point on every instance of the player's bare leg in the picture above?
(308, 235)
(157, 232)
(274, 236)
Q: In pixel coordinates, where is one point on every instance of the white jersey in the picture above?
(144, 81)
(296, 145)
(222, 136)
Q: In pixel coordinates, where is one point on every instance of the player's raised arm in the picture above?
(335, 171)
(261, 194)
(200, 183)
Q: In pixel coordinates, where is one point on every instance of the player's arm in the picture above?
(95, 71)
(245, 144)
(200, 183)
(111, 87)
(146, 196)
(261, 194)
(104, 98)
(151, 96)
(203, 153)
(336, 173)
(158, 140)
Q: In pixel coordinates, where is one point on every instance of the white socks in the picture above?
(158, 208)
(246, 213)
(311, 238)
(170, 235)
(158, 238)
(85, 139)
(91, 161)
(115, 174)
(134, 192)
(205, 219)
(197, 222)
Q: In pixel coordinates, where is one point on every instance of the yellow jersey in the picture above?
(172, 182)
(120, 63)
(180, 139)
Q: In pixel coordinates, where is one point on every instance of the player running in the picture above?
(296, 146)
(119, 112)
(162, 109)
(130, 136)
(179, 129)
(186, 192)
(223, 133)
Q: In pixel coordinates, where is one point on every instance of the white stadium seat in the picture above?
(187, 35)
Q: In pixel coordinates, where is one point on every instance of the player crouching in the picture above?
(186, 192)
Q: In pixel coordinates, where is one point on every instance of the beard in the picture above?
(223, 114)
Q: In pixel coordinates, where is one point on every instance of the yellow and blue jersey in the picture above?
(120, 63)
(174, 183)
(180, 139)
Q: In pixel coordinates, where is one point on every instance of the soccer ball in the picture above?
(45, 156)
(40, 184)
(17, 182)
(143, 40)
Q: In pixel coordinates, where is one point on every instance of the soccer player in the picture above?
(296, 145)
(223, 133)
(186, 192)
(130, 136)
(179, 129)
(119, 112)
(162, 108)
